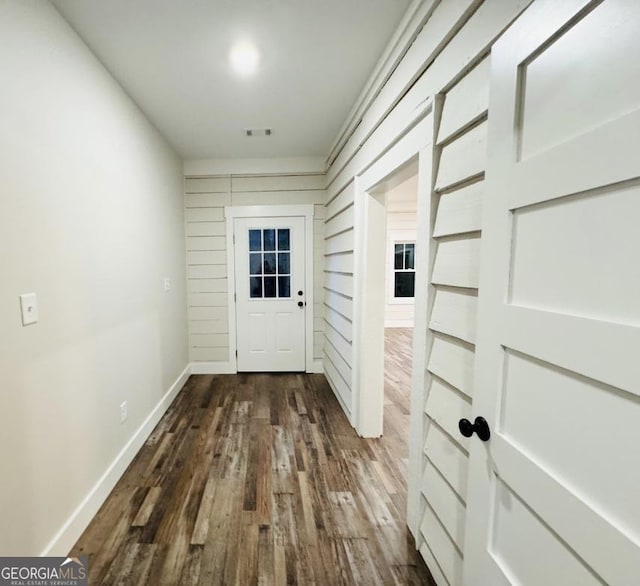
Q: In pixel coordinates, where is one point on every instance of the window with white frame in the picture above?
(404, 269)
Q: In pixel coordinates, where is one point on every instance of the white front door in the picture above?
(270, 297)
(554, 495)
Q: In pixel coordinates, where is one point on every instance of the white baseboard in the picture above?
(398, 323)
(72, 529)
(229, 368)
(212, 368)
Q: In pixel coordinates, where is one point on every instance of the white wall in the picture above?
(91, 219)
(205, 199)
(401, 207)
(439, 52)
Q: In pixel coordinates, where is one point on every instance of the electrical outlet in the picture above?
(123, 412)
(29, 307)
(167, 284)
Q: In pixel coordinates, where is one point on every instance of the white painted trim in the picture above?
(417, 142)
(421, 339)
(265, 166)
(305, 211)
(395, 157)
(398, 323)
(214, 367)
(369, 302)
(398, 237)
(269, 211)
(316, 366)
(391, 300)
(73, 527)
(358, 284)
(368, 337)
(308, 296)
(231, 296)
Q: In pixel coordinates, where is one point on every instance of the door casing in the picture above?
(272, 211)
(369, 295)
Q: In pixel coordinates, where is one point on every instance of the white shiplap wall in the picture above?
(446, 59)
(338, 294)
(460, 152)
(205, 199)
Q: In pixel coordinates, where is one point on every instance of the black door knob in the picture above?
(300, 304)
(299, 292)
(480, 426)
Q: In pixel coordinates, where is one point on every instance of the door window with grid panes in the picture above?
(269, 263)
(404, 269)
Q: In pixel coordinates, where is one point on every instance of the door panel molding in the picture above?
(558, 327)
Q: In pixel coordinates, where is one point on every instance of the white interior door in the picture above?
(554, 495)
(270, 297)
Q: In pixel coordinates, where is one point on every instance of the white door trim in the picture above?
(368, 318)
(270, 211)
(368, 323)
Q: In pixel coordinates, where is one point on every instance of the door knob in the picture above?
(300, 304)
(480, 426)
(300, 292)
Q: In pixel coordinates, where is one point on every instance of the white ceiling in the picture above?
(171, 56)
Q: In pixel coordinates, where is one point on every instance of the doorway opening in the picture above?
(386, 295)
(411, 155)
(399, 270)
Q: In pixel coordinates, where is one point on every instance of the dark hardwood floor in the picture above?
(258, 479)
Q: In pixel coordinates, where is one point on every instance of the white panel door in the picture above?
(554, 495)
(270, 299)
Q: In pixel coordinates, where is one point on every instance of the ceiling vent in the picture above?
(257, 131)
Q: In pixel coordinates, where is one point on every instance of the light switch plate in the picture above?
(167, 284)
(29, 306)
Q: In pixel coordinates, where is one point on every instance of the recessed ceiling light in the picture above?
(244, 58)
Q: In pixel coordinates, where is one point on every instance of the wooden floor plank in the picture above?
(259, 479)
